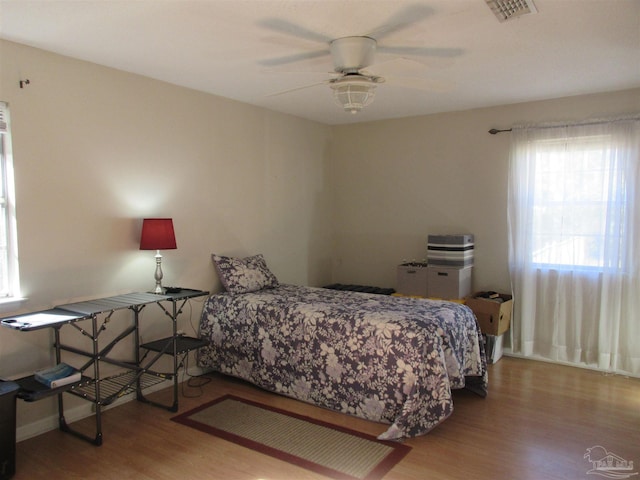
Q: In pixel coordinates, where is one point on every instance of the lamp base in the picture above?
(158, 274)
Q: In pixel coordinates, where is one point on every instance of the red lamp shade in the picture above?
(157, 234)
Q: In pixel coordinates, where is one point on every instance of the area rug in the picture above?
(330, 450)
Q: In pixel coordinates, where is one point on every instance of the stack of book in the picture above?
(61, 374)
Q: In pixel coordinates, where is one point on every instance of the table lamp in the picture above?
(157, 234)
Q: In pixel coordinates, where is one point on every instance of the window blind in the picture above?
(3, 117)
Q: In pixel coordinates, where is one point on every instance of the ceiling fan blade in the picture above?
(290, 90)
(419, 83)
(296, 57)
(299, 71)
(422, 51)
(288, 42)
(401, 20)
(407, 67)
(288, 28)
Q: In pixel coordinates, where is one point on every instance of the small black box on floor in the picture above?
(8, 392)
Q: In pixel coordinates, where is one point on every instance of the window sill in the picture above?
(11, 303)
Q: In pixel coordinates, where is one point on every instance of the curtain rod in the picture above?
(596, 121)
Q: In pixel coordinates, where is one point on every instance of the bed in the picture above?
(387, 359)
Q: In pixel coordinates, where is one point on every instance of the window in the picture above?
(579, 195)
(574, 254)
(9, 285)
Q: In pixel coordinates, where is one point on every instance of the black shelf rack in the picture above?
(184, 344)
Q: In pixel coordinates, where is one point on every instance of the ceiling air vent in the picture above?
(507, 9)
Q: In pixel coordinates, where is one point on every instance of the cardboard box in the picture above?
(412, 279)
(493, 317)
(493, 347)
(448, 282)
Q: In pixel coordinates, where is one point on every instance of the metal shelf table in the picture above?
(173, 345)
(134, 377)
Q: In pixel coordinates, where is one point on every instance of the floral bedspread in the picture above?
(387, 359)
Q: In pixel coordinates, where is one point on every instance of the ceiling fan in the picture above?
(353, 86)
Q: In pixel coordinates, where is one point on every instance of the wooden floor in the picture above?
(537, 423)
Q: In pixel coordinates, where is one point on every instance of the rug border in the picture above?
(399, 450)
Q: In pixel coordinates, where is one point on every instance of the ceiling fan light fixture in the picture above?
(353, 94)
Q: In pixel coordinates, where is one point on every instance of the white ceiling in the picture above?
(231, 48)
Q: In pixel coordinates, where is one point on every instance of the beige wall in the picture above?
(96, 150)
(398, 181)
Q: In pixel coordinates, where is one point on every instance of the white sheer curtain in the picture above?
(574, 233)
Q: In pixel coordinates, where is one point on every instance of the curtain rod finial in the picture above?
(493, 131)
